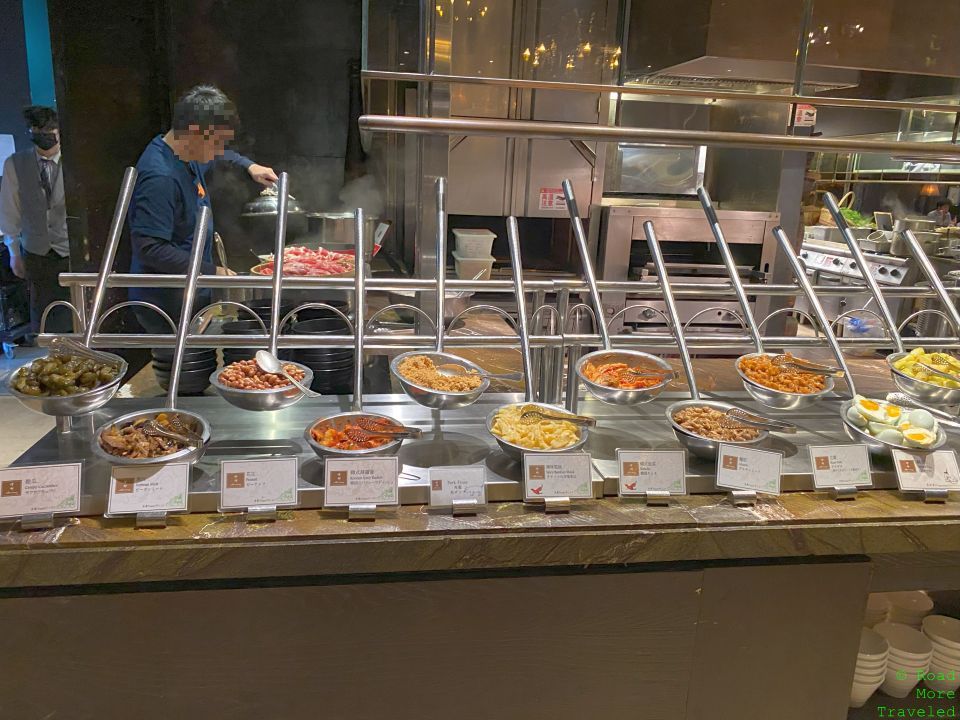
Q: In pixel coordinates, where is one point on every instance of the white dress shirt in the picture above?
(10, 216)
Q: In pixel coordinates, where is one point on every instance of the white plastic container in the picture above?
(468, 267)
(474, 242)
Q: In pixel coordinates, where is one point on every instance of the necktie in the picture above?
(45, 178)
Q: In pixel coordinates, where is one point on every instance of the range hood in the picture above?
(713, 42)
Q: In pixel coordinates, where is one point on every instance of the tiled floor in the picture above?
(19, 427)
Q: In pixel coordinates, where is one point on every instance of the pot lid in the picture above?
(266, 203)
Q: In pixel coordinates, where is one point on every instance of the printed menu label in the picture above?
(840, 466)
(148, 488)
(563, 475)
(457, 483)
(254, 483)
(36, 489)
(361, 481)
(742, 468)
(927, 471)
(643, 471)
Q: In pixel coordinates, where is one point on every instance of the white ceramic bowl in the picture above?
(873, 645)
(869, 666)
(943, 685)
(898, 688)
(911, 602)
(859, 693)
(878, 602)
(905, 641)
(942, 630)
(865, 678)
(945, 657)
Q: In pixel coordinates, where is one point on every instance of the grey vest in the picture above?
(43, 228)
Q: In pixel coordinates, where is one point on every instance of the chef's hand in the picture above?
(262, 174)
(225, 271)
(17, 266)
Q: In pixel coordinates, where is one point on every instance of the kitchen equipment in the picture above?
(269, 363)
(457, 368)
(473, 242)
(84, 402)
(510, 449)
(359, 327)
(426, 396)
(281, 397)
(258, 220)
(943, 418)
(789, 362)
(738, 417)
(471, 267)
(335, 231)
(916, 224)
(635, 358)
(877, 241)
(761, 393)
(533, 414)
(198, 425)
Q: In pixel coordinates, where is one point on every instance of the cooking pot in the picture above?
(931, 243)
(917, 224)
(259, 219)
(334, 231)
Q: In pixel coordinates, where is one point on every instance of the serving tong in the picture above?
(789, 362)
(68, 346)
(455, 370)
(155, 429)
(939, 373)
(371, 427)
(735, 418)
(942, 417)
(533, 414)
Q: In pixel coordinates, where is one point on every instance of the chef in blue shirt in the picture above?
(171, 188)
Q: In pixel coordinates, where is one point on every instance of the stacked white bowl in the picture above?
(909, 608)
(871, 667)
(909, 659)
(944, 635)
(878, 605)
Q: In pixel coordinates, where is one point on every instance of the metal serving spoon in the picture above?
(533, 414)
(269, 363)
(454, 370)
(939, 373)
(384, 428)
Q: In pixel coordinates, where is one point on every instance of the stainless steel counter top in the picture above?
(450, 438)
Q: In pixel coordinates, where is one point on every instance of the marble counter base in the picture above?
(900, 534)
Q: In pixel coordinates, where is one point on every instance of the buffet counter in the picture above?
(366, 619)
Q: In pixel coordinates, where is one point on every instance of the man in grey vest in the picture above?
(33, 217)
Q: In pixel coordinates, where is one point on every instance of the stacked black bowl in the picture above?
(332, 367)
(245, 326)
(195, 370)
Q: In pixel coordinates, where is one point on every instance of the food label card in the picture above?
(643, 471)
(148, 488)
(917, 472)
(40, 489)
(840, 466)
(255, 483)
(556, 475)
(742, 468)
(457, 483)
(361, 481)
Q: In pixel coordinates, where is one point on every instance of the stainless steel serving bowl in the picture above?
(621, 396)
(700, 446)
(272, 399)
(516, 451)
(921, 390)
(71, 405)
(879, 447)
(187, 455)
(438, 399)
(338, 421)
(778, 398)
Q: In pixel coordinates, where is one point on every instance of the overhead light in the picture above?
(526, 54)
(930, 190)
(541, 48)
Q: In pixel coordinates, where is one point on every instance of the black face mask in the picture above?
(44, 140)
